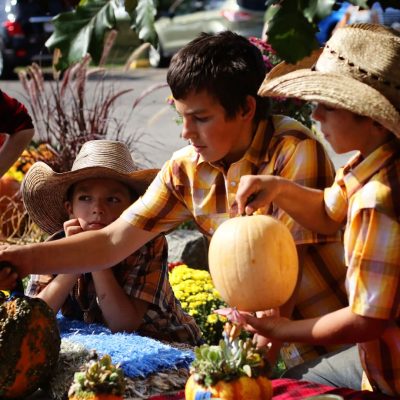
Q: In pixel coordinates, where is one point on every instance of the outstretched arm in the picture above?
(88, 251)
(303, 204)
(339, 327)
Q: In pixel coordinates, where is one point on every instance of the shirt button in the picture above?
(211, 231)
(233, 183)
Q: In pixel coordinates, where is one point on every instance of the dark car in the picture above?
(25, 27)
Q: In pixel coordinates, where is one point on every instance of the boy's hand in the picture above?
(264, 326)
(72, 227)
(256, 191)
(8, 279)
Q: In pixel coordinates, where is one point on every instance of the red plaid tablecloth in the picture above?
(287, 389)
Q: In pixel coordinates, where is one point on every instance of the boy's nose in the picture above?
(98, 208)
(188, 131)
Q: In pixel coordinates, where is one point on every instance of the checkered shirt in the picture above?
(367, 193)
(143, 275)
(188, 187)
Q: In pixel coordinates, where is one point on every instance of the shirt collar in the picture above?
(359, 170)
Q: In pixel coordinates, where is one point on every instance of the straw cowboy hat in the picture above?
(44, 191)
(358, 70)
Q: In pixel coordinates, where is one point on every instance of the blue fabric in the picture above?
(137, 355)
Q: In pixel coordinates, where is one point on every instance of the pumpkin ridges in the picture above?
(247, 258)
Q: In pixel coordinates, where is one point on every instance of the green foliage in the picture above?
(292, 24)
(229, 360)
(84, 29)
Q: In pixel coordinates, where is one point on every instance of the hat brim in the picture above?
(44, 191)
(335, 90)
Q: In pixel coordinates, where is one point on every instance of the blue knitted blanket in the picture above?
(137, 355)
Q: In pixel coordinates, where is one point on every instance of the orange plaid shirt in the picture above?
(187, 187)
(366, 191)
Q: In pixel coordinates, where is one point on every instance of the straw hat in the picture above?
(358, 70)
(44, 191)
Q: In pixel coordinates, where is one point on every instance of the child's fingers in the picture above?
(246, 193)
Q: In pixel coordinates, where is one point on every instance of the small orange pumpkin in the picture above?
(259, 388)
(253, 262)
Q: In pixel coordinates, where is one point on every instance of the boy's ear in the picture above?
(68, 208)
(249, 109)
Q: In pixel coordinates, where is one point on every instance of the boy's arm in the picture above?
(57, 291)
(303, 204)
(17, 124)
(339, 327)
(120, 312)
(86, 252)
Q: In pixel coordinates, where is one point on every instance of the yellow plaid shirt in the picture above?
(367, 193)
(187, 187)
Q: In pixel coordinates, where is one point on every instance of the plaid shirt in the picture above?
(13, 115)
(143, 275)
(366, 191)
(187, 187)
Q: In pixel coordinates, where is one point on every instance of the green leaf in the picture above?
(291, 35)
(318, 9)
(145, 15)
(82, 31)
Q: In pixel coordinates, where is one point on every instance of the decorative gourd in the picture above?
(253, 262)
(233, 370)
(98, 380)
(242, 388)
(29, 345)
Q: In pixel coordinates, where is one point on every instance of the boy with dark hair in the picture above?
(214, 80)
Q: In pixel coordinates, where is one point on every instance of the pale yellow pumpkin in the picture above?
(253, 262)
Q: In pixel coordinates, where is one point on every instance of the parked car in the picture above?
(25, 27)
(186, 19)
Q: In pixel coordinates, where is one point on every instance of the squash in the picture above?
(259, 388)
(235, 369)
(99, 379)
(29, 345)
(253, 262)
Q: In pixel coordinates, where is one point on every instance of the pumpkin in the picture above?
(253, 262)
(29, 345)
(259, 388)
(98, 380)
(11, 206)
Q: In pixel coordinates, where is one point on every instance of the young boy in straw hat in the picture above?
(16, 131)
(135, 294)
(214, 81)
(355, 83)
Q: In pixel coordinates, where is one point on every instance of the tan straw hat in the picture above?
(358, 70)
(44, 191)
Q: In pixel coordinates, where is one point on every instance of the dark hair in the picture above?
(226, 65)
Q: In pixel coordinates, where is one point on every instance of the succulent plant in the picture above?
(98, 376)
(231, 359)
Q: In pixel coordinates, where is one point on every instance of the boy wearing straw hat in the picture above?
(16, 131)
(214, 81)
(135, 294)
(355, 83)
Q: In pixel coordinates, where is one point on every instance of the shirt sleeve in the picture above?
(373, 259)
(162, 207)
(37, 283)
(14, 116)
